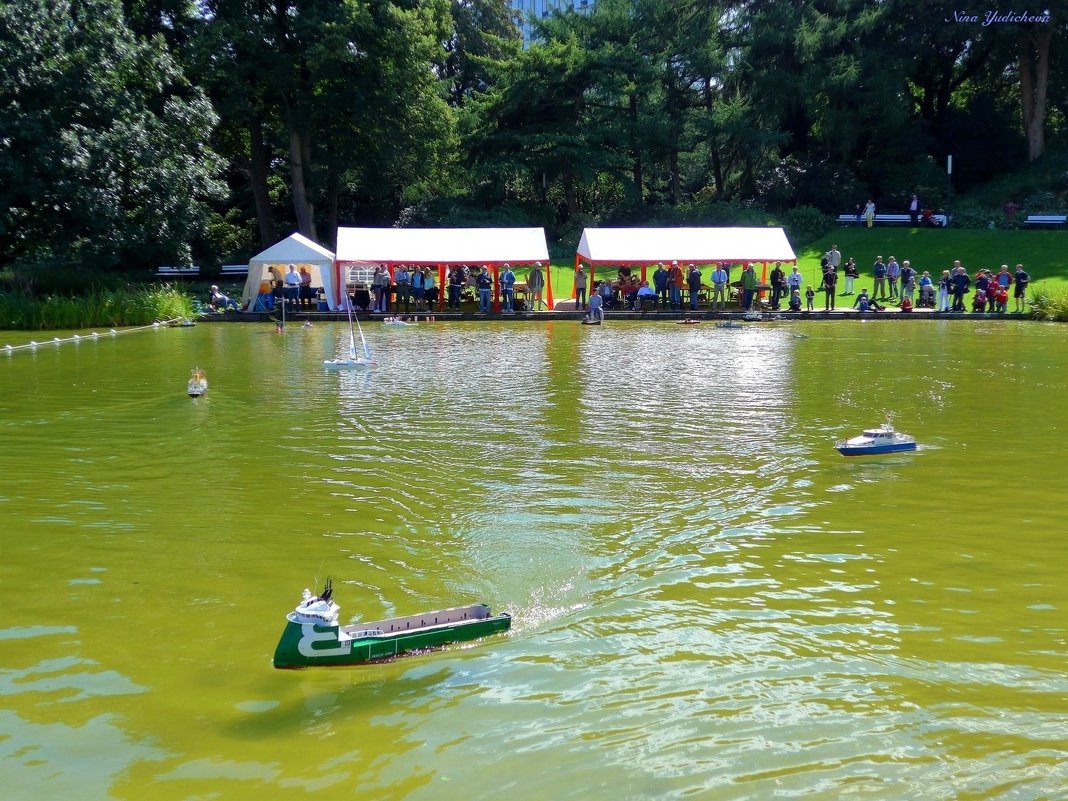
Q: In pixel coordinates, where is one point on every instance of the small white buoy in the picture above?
(113, 332)
(95, 335)
(76, 337)
(33, 344)
(8, 347)
(56, 339)
(155, 324)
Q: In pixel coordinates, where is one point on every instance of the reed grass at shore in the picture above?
(110, 307)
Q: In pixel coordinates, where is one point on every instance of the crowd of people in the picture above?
(414, 289)
(672, 285)
(907, 287)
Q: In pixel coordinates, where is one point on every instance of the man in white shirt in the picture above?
(291, 287)
(793, 281)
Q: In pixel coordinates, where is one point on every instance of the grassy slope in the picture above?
(1044, 254)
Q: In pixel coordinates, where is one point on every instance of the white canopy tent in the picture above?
(642, 247)
(698, 245)
(437, 247)
(294, 249)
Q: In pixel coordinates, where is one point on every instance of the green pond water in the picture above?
(709, 602)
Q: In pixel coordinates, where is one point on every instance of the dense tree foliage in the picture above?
(102, 150)
(134, 132)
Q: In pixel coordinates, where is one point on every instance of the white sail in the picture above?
(353, 361)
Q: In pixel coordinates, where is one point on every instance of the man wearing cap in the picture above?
(676, 281)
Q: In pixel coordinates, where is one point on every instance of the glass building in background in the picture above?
(525, 9)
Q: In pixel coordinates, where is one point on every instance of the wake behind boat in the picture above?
(313, 637)
(876, 441)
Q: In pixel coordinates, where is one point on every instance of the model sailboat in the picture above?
(359, 362)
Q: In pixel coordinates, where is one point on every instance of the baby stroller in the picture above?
(927, 297)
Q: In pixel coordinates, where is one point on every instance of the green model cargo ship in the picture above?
(313, 637)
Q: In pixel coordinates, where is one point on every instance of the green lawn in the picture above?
(1044, 254)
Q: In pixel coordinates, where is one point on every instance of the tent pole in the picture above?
(574, 291)
(494, 270)
(389, 289)
(549, 284)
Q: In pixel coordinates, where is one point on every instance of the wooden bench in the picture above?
(233, 270)
(184, 271)
(1046, 219)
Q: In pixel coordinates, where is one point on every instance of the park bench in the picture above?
(233, 270)
(889, 219)
(182, 271)
(1045, 219)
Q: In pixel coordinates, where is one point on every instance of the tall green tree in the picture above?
(346, 90)
(480, 31)
(104, 151)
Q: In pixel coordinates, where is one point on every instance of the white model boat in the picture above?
(198, 383)
(876, 441)
(353, 362)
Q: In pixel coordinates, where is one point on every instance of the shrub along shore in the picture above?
(21, 310)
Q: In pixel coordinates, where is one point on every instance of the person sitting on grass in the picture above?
(864, 303)
(220, 302)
